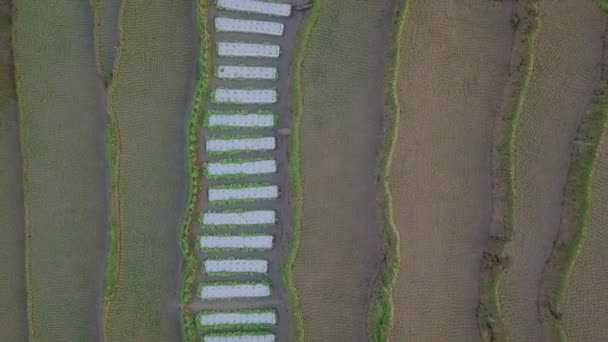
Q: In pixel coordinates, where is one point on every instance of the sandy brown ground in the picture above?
(455, 62)
(586, 306)
(566, 71)
(341, 249)
(13, 318)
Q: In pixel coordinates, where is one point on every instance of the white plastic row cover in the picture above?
(236, 265)
(246, 96)
(235, 318)
(240, 218)
(242, 168)
(241, 120)
(244, 193)
(249, 26)
(240, 144)
(221, 291)
(248, 50)
(253, 6)
(240, 338)
(235, 242)
(246, 72)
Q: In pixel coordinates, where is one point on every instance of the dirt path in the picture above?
(342, 120)
(455, 62)
(565, 74)
(13, 316)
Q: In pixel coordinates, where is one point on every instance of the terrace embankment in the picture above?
(106, 13)
(13, 317)
(341, 249)
(149, 98)
(62, 140)
(565, 74)
(455, 59)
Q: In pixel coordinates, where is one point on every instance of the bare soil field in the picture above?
(567, 57)
(62, 138)
(342, 119)
(586, 305)
(13, 317)
(455, 61)
(149, 99)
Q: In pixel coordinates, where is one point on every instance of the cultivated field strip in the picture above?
(242, 192)
(62, 137)
(245, 337)
(236, 242)
(242, 215)
(235, 266)
(150, 96)
(227, 120)
(246, 72)
(254, 6)
(586, 305)
(249, 26)
(566, 59)
(245, 96)
(234, 49)
(455, 59)
(13, 300)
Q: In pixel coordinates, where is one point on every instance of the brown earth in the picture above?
(455, 63)
(13, 317)
(343, 104)
(567, 57)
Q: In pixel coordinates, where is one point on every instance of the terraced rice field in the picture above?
(567, 54)
(149, 97)
(106, 13)
(64, 168)
(13, 318)
(341, 241)
(586, 298)
(454, 64)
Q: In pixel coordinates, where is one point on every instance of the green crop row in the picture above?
(194, 173)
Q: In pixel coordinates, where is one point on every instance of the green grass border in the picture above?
(188, 320)
(381, 310)
(489, 312)
(296, 333)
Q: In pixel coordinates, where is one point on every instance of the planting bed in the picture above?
(243, 192)
(239, 218)
(245, 96)
(254, 6)
(239, 143)
(235, 242)
(240, 338)
(266, 317)
(236, 266)
(248, 50)
(241, 72)
(235, 168)
(233, 290)
(249, 26)
(568, 51)
(218, 121)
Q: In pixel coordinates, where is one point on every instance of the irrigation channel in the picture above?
(242, 229)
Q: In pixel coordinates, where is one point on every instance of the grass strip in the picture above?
(188, 321)
(575, 212)
(495, 259)
(295, 179)
(381, 310)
